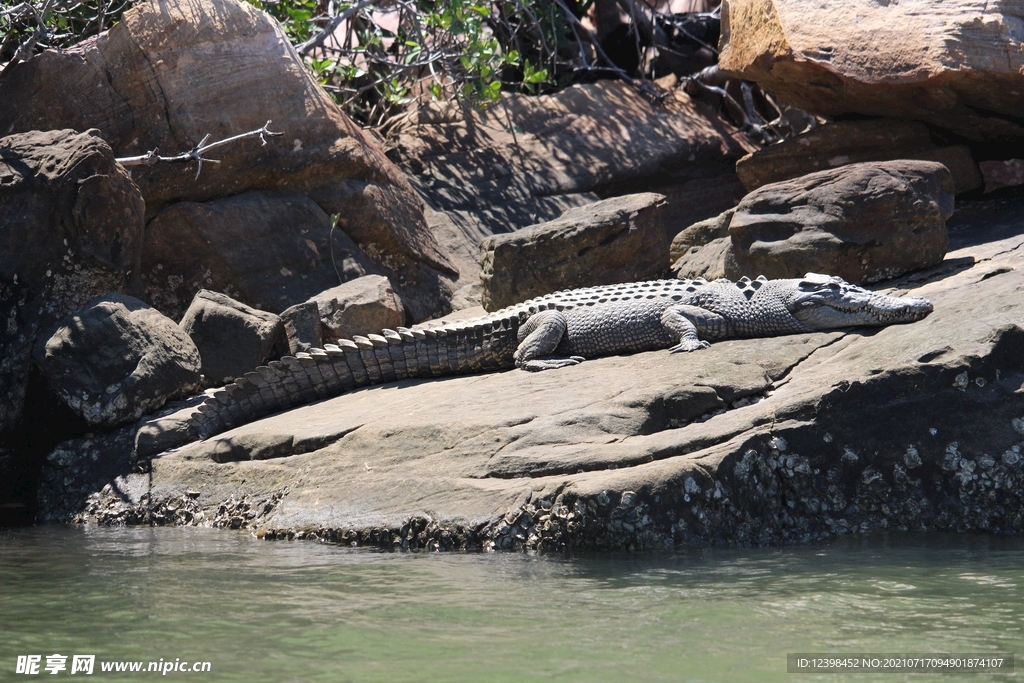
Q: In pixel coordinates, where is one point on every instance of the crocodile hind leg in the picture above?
(538, 338)
(690, 323)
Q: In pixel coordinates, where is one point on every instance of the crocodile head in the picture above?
(824, 302)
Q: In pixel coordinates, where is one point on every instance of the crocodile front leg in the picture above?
(685, 321)
(538, 338)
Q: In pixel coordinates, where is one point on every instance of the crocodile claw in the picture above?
(690, 345)
(539, 364)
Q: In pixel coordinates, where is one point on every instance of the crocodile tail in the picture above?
(420, 351)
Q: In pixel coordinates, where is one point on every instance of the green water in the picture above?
(299, 611)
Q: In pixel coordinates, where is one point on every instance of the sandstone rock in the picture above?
(615, 240)
(846, 142)
(172, 71)
(693, 201)
(468, 296)
(362, 306)
(71, 223)
(232, 338)
(568, 149)
(1000, 174)
(750, 442)
(706, 260)
(118, 359)
(699, 234)
(701, 249)
(863, 222)
(302, 328)
(954, 65)
(267, 249)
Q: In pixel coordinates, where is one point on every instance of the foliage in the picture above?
(33, 25)
(390, 52)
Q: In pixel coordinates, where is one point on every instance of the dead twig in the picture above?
(319, 39)
(39, 35)
(196, 153)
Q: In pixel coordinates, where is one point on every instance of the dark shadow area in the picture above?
(996, 216)
(47, 421)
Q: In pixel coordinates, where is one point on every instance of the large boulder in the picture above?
(232, 338)
(267, 249)
(118, 359)
(171, 72)
(849, 142)
(71, 223)
(614, 240)
(749, 442)
(956, 65)
(863, 222)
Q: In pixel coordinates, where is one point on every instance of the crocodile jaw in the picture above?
(825, 303)
(886, 310)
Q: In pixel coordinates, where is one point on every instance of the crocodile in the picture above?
(554, 331)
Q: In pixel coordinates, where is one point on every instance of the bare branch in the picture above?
(643, 87)
(196, 153)
(318, 40)
(25, 51)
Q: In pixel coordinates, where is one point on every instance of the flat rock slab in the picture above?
(849, 142)
(757, 441)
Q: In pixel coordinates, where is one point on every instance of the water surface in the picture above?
(300, 611)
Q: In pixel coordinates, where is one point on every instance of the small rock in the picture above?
(362, 306)
(912, 458)
(232, 338)
(302, 327)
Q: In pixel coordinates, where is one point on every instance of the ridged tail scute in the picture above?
(420, 351)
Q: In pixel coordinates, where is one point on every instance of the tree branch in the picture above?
(319, 39)
(196, 153)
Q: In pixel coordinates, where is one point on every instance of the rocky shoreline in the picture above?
(751, 442)
(129, 292)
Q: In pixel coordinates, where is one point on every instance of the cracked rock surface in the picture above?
(762, 441)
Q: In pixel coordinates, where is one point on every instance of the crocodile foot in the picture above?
(551, 363)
